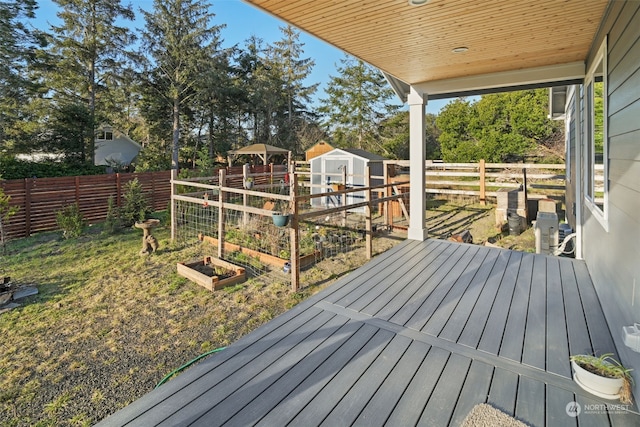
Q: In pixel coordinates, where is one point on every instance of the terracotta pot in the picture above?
(607, 388)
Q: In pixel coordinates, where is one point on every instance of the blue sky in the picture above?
(243, 20)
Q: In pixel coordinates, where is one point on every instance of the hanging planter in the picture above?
(248, 183)
(280, 220)
(602, 376)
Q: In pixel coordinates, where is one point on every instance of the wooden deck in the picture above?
(418, 336)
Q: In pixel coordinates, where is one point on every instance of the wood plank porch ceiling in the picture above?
(414, 44)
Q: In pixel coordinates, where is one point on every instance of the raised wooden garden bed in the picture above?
(204, 273)
(305, 260)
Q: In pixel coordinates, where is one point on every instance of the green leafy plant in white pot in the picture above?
(603, 376)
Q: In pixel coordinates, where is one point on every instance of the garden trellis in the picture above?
(223, 211)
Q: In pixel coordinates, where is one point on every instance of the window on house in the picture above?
(105, 134)
(596, 148)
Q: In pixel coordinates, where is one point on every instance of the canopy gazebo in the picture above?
(264, 151)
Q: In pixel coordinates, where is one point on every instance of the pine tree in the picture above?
(357, 102)
(91, 51)
(18, 50)
(293, 70)
(180, 40)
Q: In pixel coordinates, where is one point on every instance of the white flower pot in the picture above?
(607, 388)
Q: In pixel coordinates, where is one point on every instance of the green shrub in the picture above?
(134, 204)
(6, 212)
(112, 222)
(70, 221)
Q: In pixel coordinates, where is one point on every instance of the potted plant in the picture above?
(280, 216)
(603, 376)
(248, 183)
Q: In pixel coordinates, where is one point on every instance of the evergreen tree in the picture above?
(394, 135)
(90, 54)
(18, 49)
(357, 102)
(286, 58)
(180, 40)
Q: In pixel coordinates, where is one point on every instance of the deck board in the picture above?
(383, 283)
(503, 392)
(440, 407)
(557, 340)
(475, 325)
(297, 398)
(513, 337)
(380, 406)
(325, 401)
(409, 409)
(491, 340)
(529, 406)
(577, 332)
(441, 286)
(533, 352)
(354, 401)
(474, 391)
(417, 337)
(450, 301)
(427, 284)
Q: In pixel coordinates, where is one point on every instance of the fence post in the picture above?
(222, 177)
(77, 191)
(245, 197)
(367, 213)
(386, 192)
(174, 204)
(483, 188)
(343, 197)
(119, 187)
(293, 233)
(27, 206)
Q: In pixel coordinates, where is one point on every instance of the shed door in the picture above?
(332, 172)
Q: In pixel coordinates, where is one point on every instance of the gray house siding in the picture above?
(613, 256)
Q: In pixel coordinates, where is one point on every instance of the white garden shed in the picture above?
(333, 166)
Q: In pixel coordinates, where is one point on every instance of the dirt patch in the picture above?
(445, 219)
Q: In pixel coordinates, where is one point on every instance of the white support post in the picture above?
(417, 156)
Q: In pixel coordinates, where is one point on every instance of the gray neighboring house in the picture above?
(114, 148)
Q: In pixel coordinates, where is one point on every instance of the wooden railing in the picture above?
(483, 180)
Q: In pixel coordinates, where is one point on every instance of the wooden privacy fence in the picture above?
(38, 199)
